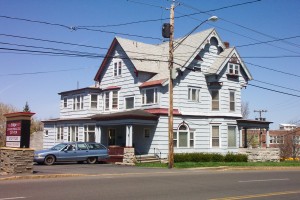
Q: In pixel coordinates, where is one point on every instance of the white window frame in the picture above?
(296, 139)
(93, 102)
(78, 105)
(117, 68)
(190, 139)
(109, 100)
(233, 69)
(125, 105)
(65, 102)
(277, 139)
(235, 134)
(144, 96)
(232, 101)
(211, 136)
(212, 100)
(87, 130)
(73, 134)
(197, 94)
(60, 133)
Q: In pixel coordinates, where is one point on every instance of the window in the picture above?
(94, 101)
(233, 69)
(129, 102)
(276, 139)
(78, 102)
(215, 136)
(215, 99)
(95, 146)
(183, 137)
(89, 133)
(231, 136)
(111, 99)
(149, 96)
(65, 102)
(146, 132)
(81, 146)
(232, 100)
(117, 68)
(46, 133)
(193, 94)
(73, 134)
(296, 139)
(60, 133)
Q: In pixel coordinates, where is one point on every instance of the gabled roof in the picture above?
(223, 58)
(153, 58)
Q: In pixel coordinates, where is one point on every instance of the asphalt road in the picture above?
(129, 183)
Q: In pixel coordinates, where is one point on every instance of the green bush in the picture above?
(209, 157)
(230, 157)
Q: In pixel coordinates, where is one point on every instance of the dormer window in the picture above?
(78, 102)
(233, 69)
(118, 68)
(149, 96)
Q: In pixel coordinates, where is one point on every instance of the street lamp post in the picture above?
(171, 58)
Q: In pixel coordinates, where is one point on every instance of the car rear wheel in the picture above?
(92, 160)
(49, 160)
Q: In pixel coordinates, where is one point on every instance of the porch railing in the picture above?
(157, 153)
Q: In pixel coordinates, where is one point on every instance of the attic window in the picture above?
(233, 69)
(118, 68)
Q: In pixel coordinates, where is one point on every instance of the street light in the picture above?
(171, 51)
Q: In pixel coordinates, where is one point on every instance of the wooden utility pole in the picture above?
(170, 114)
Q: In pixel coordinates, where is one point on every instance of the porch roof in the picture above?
(132, 114)
(247, 123)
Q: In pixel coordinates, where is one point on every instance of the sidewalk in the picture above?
(79, 170)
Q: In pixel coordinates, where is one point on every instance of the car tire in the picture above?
(49, 160)
(91, 160)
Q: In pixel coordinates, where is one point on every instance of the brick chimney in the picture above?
(226, 44)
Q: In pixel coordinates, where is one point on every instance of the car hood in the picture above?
(45, 151)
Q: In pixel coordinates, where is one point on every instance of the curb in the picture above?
(40, 176)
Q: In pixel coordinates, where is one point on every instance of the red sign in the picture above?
(13, 128)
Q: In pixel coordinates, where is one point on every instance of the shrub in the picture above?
(209, 157)
(230, 157)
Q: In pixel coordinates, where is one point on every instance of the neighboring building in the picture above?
(128, 105)
(287, 127)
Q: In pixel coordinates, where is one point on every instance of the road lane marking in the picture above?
(258, 195)
(11, 198)
(264, 180)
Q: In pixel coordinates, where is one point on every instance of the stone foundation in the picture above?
(16, 160)
(129, 157)
(262, 155)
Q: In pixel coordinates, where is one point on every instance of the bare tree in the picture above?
(4, 108)
(290, 148)
(245, 110)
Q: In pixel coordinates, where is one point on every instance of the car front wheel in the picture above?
(92, 160)
(49, 160)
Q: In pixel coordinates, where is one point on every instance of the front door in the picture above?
(111, 137)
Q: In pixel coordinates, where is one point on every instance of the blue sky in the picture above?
(259, 21)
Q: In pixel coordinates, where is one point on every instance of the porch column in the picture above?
(241, 137)
(267, 138)
(129, 136)
(245, 139)
(99, 134)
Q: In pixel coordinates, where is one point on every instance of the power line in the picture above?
(52, 41)
(230, 31)
(42, 72)
(279, 39)
(273, 90)
(275, 70)
(276, 85)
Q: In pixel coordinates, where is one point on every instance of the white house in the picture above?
(128, 105)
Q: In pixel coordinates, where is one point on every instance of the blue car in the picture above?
(90, 152)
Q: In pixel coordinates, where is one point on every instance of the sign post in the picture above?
(18, 129)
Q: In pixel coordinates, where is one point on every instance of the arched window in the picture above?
(183, 137)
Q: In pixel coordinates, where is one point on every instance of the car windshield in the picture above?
(58, 147)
